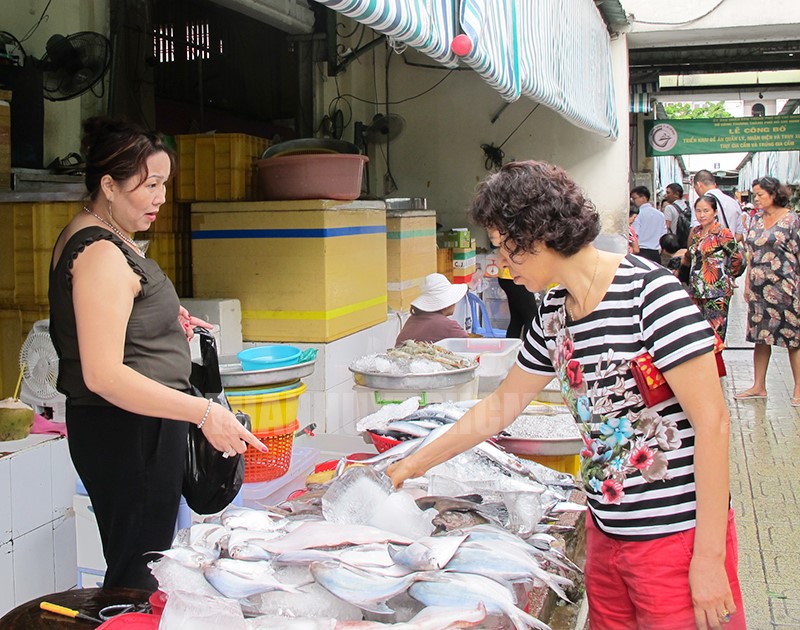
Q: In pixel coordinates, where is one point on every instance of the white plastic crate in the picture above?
(257, 495)
(495, 357)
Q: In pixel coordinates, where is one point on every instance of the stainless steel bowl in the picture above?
(415, 382)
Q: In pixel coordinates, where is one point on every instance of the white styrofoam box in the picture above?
(227, 314)
(333, 411)
(6, 578)
(63, 477)
(334, 358)
(89, 547)
(257, 495)
(87, 578)
(369, 400)
(495, 357)
(5, 500)
(334, 446)
(31, 479)
(65, 558)
(33, 564)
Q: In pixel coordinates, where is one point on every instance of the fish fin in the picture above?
(379, 608)
(524, 621)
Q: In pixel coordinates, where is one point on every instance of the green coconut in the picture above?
(16, 419)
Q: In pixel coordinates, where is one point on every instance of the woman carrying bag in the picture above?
(124, 363)
(714, 260)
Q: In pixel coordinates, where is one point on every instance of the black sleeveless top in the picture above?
(155, 344)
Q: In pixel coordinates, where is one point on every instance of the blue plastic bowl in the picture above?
(268, 357)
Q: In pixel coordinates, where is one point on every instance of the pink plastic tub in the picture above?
(311, 176)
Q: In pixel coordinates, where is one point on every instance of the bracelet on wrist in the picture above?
(205, 415)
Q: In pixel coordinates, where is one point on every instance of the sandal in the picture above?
(71, 164)
(748, 396)
(795, 402)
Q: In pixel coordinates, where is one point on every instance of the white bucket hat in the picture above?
(438, 293)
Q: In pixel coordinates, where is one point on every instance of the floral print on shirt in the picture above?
(615, 446)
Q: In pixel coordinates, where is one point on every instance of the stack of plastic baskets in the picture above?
(273, 414)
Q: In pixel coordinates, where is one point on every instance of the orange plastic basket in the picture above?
(260, 466)
(382, 443)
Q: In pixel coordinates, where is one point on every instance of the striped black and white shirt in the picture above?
(638, 462)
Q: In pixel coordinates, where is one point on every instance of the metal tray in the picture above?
(541, 446)
(415, 382)
(233, 375)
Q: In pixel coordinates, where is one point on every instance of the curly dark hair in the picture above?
(775, 189)
(533, 202)
(119, 149)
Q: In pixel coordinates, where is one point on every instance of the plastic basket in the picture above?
(381, 442)
(260, 466)
(267, 411)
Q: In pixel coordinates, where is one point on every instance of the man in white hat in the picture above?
(430, 312)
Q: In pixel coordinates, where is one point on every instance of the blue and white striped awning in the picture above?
(556, 53)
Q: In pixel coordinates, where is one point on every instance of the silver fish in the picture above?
(193, 558)
(409, 428)
(366, 590)
(238, 578)
(247, 518)
(394, 453)
(427, 554)
(469, 591)
(318, 534)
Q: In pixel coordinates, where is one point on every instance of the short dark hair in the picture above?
(532, 202)
(119, 149)
(642, 191)
(705, 177)
(775, 189)
(676, 188)
(633, 210)
(669, 243)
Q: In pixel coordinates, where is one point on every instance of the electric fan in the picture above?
(38, 362)
(73, 64)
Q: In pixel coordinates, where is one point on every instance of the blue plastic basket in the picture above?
(267, 357)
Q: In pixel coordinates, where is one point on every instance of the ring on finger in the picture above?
(725, 616)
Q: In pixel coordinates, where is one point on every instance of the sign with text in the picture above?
(678, 136)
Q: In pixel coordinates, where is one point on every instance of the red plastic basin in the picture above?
(311, 176)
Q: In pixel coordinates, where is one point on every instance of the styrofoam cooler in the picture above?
(495, 357)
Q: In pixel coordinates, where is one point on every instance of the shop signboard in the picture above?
(678, 136)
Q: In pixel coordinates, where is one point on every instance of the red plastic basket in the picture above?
(260, 466)
(382, 443)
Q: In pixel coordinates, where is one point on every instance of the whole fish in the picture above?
(234, 517)
(436, 415)
(320, 534)
(427, 554)
(409, 428)
(193, 558)
(366, 590)
(429, 618)
(238, 578)
(394, 453)
(469, 591)
(208, 535)
(504, 566)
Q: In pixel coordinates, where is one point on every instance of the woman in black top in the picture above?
(124, 362)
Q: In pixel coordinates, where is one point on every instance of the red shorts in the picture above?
(645, 585)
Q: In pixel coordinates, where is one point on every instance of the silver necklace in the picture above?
(586, 297)
(116, 231)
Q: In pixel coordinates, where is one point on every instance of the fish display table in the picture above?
(88, 601)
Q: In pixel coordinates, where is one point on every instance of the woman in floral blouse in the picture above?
(772, 285)
(660, 535)
(714, 260)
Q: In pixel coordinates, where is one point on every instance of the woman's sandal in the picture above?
(748, 396)
(795, 402)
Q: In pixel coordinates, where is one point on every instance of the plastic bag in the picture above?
(210, 481)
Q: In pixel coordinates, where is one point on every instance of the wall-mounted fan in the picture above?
(74, 64)
(384, 128)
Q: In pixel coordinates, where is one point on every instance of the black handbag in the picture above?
(210, 481)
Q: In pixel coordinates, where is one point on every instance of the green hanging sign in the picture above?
(679, 136)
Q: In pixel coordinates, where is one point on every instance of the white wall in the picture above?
(61, 119)
(731, 21)
(439, 155)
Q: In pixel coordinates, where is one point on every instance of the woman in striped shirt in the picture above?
(661, 541)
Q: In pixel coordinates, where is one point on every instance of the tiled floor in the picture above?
(765, 482)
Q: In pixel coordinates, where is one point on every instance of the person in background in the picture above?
(749, 212)
(124, 362)
(661, 542)
(649, 225)
(521, 305)
(772, 285)
(633, 238)
(714, 260)
(430, 312)
(729, 214)
(671, 253)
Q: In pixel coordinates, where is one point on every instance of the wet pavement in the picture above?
(765, 484)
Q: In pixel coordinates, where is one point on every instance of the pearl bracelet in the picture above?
(205, 415)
